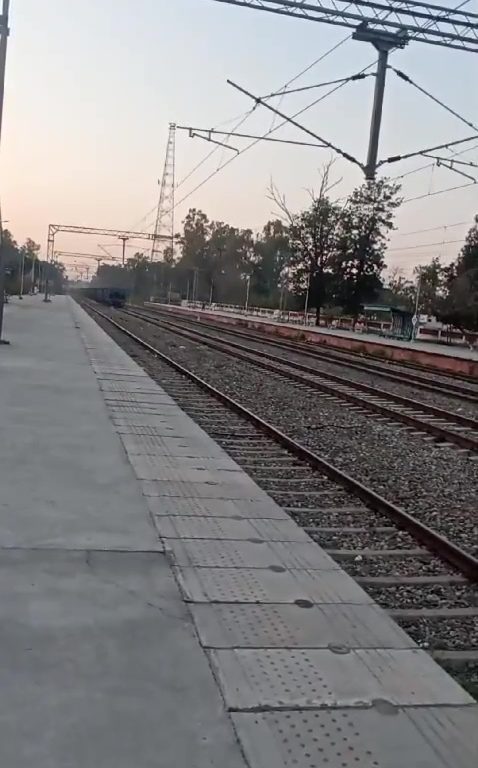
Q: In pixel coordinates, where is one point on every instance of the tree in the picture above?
(459, 305)
(432, 278)
(312, 238)
(365, 223)
(270, 257)
(402, 291)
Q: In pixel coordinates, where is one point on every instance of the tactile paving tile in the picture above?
(214, 508)
(206, 490)
(177, 527)
(244, 585)
(121, 387)
(288, 626)
(378, 737)
(118, 410)
(183, 463)
(145, 470)
(298, 678)
(147, 398)
(203, 553)
(147, 441)
(160, 424)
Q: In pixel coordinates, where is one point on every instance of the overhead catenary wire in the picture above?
(350, 78)
(424, 245)
(270, 131)
(293, 122)
(432, 229)
(249, 112)
(408, 79)
(275, 128)
(196, 133)
(438, 192)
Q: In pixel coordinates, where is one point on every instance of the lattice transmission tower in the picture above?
(163, 236)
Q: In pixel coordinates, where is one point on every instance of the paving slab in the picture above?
(187, 527)
(289, 626)
(249, 553)
(237, 508)
(301, 678)
(249, 585)
(376, 737)
(213, 489)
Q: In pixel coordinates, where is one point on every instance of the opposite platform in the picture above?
(311, 671)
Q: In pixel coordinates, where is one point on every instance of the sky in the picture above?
(92, 86)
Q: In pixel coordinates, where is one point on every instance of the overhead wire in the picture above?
(424, 245)
(271, 130)
(438, 192)
(408, 79)
(242, 118)
(432, 229)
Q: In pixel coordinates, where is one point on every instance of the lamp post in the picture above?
(22, 275)
(306, 308)
(248, 286)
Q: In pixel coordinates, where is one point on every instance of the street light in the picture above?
(248, 286)
(306, 308)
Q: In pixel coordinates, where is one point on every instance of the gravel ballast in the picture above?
(438, 485)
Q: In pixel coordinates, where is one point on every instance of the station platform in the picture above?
(447, 359)
(159, 609)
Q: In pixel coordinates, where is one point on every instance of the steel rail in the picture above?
(334, 355)
(279, 366)
(466, 563)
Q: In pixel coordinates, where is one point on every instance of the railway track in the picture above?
(429, 380)
(424, 580)
(448, 427)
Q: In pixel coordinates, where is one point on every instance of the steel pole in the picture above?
(4, 31)
(22, 275)
(376, 122)
(416, 316)
(306, 308)
(246, 306)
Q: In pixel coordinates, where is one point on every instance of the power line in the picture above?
(293, 122)
(431, 165)
(358, 76)
(271, 130)
(244, 116)
(408, 79)
(196, 133)
(438, 192)
(276, 93)
(425, 245)
(432, 229)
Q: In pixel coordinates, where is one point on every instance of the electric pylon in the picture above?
(164, 225)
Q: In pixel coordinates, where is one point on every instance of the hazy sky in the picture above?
(93, 84)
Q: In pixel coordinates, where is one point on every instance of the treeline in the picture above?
(332, 252)
(24, 269)
(448, 292)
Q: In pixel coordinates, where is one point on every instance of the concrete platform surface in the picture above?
(113, 502)
(101, 666)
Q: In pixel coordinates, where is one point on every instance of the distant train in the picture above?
(113, 297)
